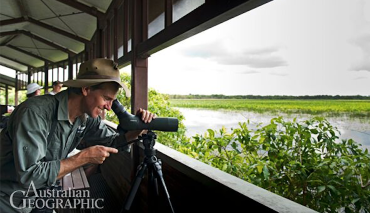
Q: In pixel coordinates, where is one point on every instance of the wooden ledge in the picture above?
(212, 177)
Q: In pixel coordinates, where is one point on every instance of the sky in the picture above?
(285, 47)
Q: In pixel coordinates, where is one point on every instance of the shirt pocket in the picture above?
(54, 146)
(80, 133)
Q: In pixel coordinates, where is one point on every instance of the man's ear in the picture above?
(85, 90)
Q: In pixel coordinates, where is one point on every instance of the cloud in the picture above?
(360, 78)
(278, 74)
(254, 61)
(363, 42)
(255, 58)
(248, 72)
(362, 66)
(205, 50)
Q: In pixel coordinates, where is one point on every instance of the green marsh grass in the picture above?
(355, 108)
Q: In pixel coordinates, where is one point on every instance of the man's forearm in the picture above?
(70, 164)
(95, 154)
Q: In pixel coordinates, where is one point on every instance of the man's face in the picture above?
(95, 101)
(57, 88)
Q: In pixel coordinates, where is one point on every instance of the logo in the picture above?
(54, 199)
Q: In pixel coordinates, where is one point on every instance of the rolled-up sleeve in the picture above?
(30, 133)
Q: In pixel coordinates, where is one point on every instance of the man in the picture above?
(43, 130)
(57, 86)
(33, 89)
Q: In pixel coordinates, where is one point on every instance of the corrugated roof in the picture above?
(38, 30)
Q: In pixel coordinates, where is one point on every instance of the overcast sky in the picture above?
(285, 47)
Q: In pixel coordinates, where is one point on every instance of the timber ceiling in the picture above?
(34, 31)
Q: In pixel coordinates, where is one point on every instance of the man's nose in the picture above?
(108, 105)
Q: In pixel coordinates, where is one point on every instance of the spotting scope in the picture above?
(128, 122)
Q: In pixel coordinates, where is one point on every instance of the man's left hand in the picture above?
(145, 115)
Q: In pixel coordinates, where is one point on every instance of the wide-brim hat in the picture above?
(31, 88)
(97, 71)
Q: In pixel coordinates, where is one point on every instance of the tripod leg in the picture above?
(158, 171)
(135, 187)
(152, 190)
(153, 181)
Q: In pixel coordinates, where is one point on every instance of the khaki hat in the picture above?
(97, 71)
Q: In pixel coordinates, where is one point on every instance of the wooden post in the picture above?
(115, 36)
(16, 89)
(6, 95)
(139, 64)
(126, 12)
(139, 67)
(100, 39)
(29, 75)
(46, 71)
(70, 68)
(168, 13)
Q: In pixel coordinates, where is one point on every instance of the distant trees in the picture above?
(275, 97)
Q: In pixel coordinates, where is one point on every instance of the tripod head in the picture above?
(148, 140)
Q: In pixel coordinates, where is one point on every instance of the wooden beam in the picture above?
(15, 60)
(52, 44)
(57, 30)
(43, 25)
(168, 11)
(125, 59)
(29, 53)
(204, 17)
(12, 21)
(8, 40)
(84, 8)
(110, 11)
(29, 34)
(8, 33)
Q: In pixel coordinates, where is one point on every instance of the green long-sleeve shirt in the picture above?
(25, 153)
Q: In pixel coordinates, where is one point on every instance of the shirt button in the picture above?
(25, 148)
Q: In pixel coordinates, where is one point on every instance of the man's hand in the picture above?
(97, 154)
(145, 115)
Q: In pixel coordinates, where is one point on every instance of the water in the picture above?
(197, 121)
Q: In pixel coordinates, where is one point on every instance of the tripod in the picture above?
(154, 167)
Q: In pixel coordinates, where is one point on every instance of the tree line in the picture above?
(272, 97)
